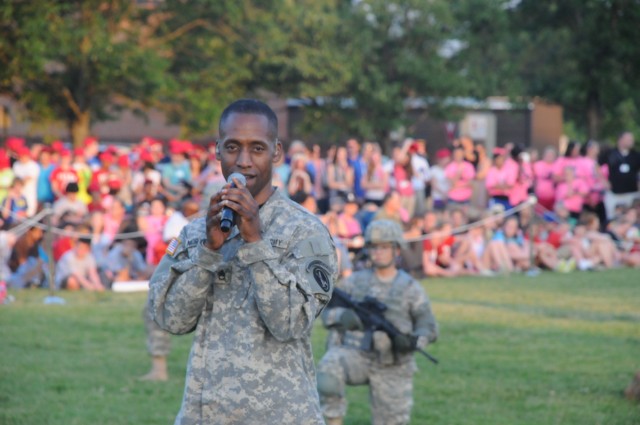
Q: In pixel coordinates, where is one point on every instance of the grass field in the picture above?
(554, 349)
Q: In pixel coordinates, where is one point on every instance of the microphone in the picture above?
(228, 216)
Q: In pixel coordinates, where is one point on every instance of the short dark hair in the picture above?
(251, 106)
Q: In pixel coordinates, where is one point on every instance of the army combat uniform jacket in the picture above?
(252, 306)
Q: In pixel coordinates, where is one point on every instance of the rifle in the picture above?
(370, 311)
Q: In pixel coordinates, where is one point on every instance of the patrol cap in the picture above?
(380, 231)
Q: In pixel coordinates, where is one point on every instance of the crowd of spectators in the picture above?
(465, 212)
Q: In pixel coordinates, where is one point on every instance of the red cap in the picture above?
(123, 161)
(499, 151)
(14, 143)
(443, 153)
(145, 156)
(89, 141)
(114, 183)
(65, 152)
(78, 152)
(5, 162)
(23, 151)
(106, 156)
(176, 147)
(57, 145)
(112, 150)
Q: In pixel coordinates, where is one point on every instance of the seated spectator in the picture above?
(26, 262)
(14, 206)
(517, 246)
(349, 228)
(437, 256)
(63, 243)
(392, 209)
(473, 252)
(124, 263)
(69, 203)
(77, 269)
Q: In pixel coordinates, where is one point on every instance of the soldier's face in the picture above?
(248, 148)
(382, 255)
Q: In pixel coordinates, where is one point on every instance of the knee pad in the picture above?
(329, 385)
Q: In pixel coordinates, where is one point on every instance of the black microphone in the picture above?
(228, 216)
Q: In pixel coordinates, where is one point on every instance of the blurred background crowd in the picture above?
(111, 210)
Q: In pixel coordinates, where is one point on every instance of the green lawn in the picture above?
(554, 349)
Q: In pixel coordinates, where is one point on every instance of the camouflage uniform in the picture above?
(252, 307)
(388, 374)
(158, 340)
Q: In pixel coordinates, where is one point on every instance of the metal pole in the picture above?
(48, 240)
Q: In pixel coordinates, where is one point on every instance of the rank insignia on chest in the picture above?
(173, 246)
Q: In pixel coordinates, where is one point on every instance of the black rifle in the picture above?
(370, 311)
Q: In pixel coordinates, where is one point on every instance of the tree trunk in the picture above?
(79, 127)
(593, 116)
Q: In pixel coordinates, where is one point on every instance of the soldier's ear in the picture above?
(277, 153)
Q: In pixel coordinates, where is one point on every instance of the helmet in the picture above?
(380, 231)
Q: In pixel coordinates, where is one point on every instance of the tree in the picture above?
(583, 55)
(78, 61)
(394, 53)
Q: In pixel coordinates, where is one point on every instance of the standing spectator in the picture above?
(299, 179)
(376, 180)
(340, 175)
(358, 166)
(572, 192)
(524, 178)
(6, 174)
(71, 205)
(402, 174)
(84, 175)
(569, 159)
(101, 177)
(460, 174)
(77, 269)
(123, 174)
(151, 225)
(544, 187)
(482, 166)
(177, 172)
(439, 183)
(28, 170)
(597, 178)
(624, 166)
(91, 147)
(63, 174)
(45, 192)
(14, 206)
(420, 174)
(320, 189)
(501, 178)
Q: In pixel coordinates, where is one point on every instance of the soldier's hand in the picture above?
(350, 321)
(404, 343)
(239, 199)
(215, 236)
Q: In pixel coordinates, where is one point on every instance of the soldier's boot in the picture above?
(334, 421)
(158, 370)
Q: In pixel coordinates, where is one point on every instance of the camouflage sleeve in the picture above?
(331, 315)
(291, 291)
(424, 322)
(179, 286)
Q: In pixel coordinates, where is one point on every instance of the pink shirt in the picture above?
(153, 235)
(543, 173)
(507, 174)
(524, 178)
(560, 164)
(574, 201)
(403, 183)
(460, 174)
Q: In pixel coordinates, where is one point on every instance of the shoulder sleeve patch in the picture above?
(172, 248)
(321, 274)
